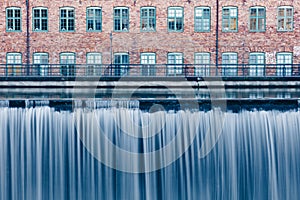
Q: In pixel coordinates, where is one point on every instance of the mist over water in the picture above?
(131, 154)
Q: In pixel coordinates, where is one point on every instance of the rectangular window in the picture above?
(94, 19)
(14, 64)
(121, 19)
(230, 19)
(40, 19)
(121, 64)
(284, 64)
(257, 19)
(93, 61)
(148, 61)
(175, 61)
(229, 64)
(67, 64)
(13, 19)
(41, 61)
(67, 19)
(285, 18)
(148, 19)
(202, 64)
(256, 64)
(202, 19)
(175, 19)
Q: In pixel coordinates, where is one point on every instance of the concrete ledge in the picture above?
(149, 82)
(234, 105)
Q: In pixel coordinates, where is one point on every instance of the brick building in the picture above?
(208, 33)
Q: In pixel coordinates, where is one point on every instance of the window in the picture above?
(67, 64)
(13, 19)
(175, 61)
(121, 19)
(257, 19)
(230, 19)
(256, 64)
(67, 19)
(285, 18)
(229, 64)
(40, 19)
(14, 64)
(202, 19)
(40, 61)
(93, 61)
(94, 19)
(284, 64)
(148, 61)
(148, 19)
(202, 64)
(121, 61)
(175, 19)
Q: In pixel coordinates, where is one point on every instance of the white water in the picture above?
(70, 155)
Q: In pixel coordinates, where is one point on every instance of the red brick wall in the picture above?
(161, 41)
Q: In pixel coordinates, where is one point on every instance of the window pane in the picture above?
(198, 13)
(144, 13)
(63, 13)
(117, 13)
(151, 12)
(281, 12)
(44, 13)
(10, 13)
(36, 13)
(261, 24)
(253, 12)
(289, 12)
(17, 13)
(253, 24)
(171, 13)
(98, 13)
(179, 13)
(226, 12)
(44, 24)
(289, 23)
(125, 13)
(71, 13)
(233, 12)
(261, 12)
(18, 24)
(37, 24)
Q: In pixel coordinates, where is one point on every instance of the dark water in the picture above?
(130, 154)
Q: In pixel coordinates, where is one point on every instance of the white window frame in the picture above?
(257, 64)
(175, 64)
(93, 63)
(230, 64)
(148, 61)
(202, 64)
(41, 63)
(284, 65)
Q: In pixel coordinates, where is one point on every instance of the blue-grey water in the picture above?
(131, 154)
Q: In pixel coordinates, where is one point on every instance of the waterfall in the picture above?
(126, 153)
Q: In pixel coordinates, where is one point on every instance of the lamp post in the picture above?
(111, 56)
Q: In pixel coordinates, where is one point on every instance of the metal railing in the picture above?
(157, 70)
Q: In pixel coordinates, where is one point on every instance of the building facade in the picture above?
(218, 34)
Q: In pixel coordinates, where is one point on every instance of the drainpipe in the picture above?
(27, 39)
(111, 52)
(217, 36)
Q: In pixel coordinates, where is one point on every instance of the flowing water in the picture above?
(112, 153)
